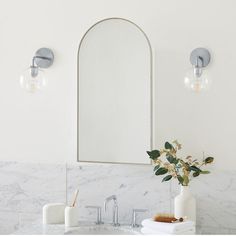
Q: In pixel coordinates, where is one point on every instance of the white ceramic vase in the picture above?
(185, 204)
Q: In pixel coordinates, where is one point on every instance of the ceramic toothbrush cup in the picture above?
(71, 216)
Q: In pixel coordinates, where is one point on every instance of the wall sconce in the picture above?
(33, 78)
(196, 78)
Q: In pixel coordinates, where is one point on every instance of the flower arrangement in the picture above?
(181, 169)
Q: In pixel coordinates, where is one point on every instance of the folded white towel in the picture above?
(171, 228)
(148, 231)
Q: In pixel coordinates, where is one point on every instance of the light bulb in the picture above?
(32, 79)
(197, 82)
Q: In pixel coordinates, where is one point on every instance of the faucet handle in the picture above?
(134, 216)
(99, 213)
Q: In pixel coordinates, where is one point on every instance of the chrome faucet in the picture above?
(115, 209)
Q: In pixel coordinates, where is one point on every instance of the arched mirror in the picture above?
(114, 93)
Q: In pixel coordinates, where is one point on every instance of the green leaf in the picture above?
(195, 174)
(156, 168)
(194, 168)
(154, 154)
(180, 179)
(161, 171)
(209, 160)
(168, 145)
(168, 177)
(176, 161)
(205, 172)
(170, 158)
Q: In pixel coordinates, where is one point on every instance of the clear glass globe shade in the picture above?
(30, 83)
(197, 84)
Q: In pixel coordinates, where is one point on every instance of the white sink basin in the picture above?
(102, 230)
(84, 228)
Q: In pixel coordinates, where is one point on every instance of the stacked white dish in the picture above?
(149, 227)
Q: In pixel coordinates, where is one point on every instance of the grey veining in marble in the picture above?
(134, 185)
(25, 188)
(9, 222)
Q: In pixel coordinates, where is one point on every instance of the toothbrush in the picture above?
(75, 197)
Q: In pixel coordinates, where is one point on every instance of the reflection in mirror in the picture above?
(114, 93)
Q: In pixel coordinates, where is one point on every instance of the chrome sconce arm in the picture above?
(30, 80)
(199, 58)
(43, 58)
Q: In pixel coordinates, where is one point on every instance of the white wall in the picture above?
(42, 127)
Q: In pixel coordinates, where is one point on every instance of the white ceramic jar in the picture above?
(71, 216)
(185, 204)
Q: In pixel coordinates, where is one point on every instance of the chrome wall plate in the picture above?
(202, 53)
(44, 57)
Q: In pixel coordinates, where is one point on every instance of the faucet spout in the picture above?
(115, 208)
(108, 199)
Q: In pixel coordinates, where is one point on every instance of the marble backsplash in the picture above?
(135, 187)
(25, 188)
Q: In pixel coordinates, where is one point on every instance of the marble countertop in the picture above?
(89, 228)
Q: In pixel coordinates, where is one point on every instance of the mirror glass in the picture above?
(114, 93)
